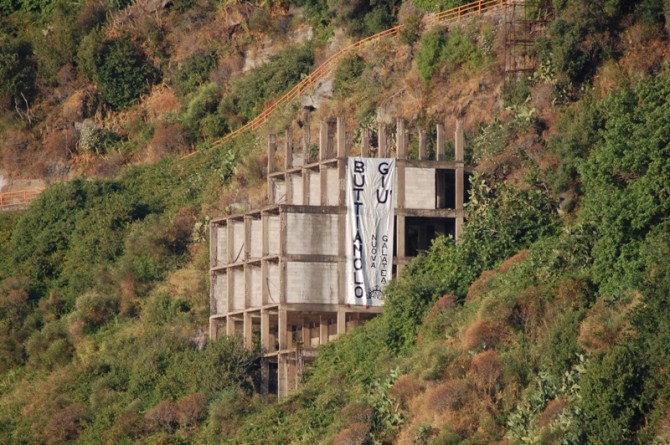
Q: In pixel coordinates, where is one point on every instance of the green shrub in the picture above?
(18, 69)
(428, 58)
(348, 71)
(118, 67)
(249, 95)
(193, 72)
(93, 309)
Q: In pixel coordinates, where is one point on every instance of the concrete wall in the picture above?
(255, 286)
(419, 188)
(273, 283)
(221, 245)
(236, 244)
(273, 235)
(333, 188)
(314, 188)
(311, 283)
(278, 191)
(219, 289)
(237, 275)
(296, 184)
(311, 234)
(256, 247)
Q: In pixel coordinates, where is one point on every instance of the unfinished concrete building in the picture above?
(277, 273)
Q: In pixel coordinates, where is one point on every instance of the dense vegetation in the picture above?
(548, 323)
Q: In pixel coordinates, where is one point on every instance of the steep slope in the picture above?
(547, 324)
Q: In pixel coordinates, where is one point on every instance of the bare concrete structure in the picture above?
(278, 273)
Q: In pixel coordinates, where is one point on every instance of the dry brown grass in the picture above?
(486, 371)
(450, 395)
(605, 324)
(552, 412)
(480, 286)
(192, 409)
(406, 389)
(65, 425)
(356, 434)
(169, 139)
(663, 428)
(511, 261)
(528, 310)
(161, 101)
(483, 334)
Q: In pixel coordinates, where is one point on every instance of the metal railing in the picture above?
(18, 199)
(447, 16)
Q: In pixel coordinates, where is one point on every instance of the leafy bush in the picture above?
(348, 71)
(193, 72)
(428, 58)
(18, 69)
(250, 94)
(118, 67)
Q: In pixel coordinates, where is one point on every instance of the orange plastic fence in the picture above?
(449, 15)
(20, 198)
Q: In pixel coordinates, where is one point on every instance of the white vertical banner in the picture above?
(369, 242)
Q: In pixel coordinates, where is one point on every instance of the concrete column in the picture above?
(248, 331)
(283, 329)
(323, 141)
(459, 155)
(305, 186)
(423, 146)
(282, 376)
(323, 330)
(342, 151)
(341, 321)
(365, 142)
(230, 326)
(439, 149)
(288, 150)
(213, 330)
(401, 139)
(266, 346)
(305, 137)
(272, 148)
(265, 376)
(382, 141)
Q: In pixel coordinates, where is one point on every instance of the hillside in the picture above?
(548, 322)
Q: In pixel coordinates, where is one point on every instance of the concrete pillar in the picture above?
(459, 155)
(423, 145)
(266, 346)
(288, 150)
(401, 139)
(306, 137)
(439, 149)
(365, 142)
(342, 151)
(230, 326)
(283, 329)
(341, 322)
(272, 148)
(323, 330)
(248, 330)
(382, 141)
(323, 141)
